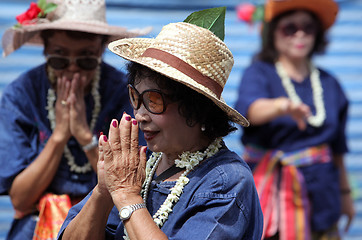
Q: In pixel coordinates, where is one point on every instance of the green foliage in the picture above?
(258, 15)
(45, 7)
(212, 19)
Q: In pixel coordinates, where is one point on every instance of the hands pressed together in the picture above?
(121, 165)
(71, 119)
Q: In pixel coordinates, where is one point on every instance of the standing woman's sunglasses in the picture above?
(152, 99)
(290, 29)
(61, 62)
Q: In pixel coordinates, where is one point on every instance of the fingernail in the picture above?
(134, 122)
(105, 138)
(128, 118)
(101, 133)
(114, 123)
(145, 150)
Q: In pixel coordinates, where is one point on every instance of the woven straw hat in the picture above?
(188, 54)
(76, 15)
(325, 10)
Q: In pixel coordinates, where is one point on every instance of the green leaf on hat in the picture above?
(212, 19)
(258, 15)
(41, 4)
(50, 7)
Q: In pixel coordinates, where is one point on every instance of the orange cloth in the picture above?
(53, 210)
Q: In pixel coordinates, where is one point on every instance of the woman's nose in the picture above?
(142, 114)
(73, 66)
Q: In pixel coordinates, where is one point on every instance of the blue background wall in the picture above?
(343, 59)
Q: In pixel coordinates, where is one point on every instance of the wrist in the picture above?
(122, 199)
(281, 104)
(93, 143)
(345, 191)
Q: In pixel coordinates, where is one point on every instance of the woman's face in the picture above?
(167, 132)
(60, 44)
(294, 36)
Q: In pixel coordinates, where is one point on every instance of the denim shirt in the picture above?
(219, 202)
(25, 130)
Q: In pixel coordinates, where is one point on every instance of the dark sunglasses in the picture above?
(290, 29)
(85, 62)
(152, 99)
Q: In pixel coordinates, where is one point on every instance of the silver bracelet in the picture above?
(91, 145)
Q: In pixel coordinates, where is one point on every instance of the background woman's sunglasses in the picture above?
(85, 62)
(290, 29)
(152, 99)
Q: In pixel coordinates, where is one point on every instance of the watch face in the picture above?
(125, 213)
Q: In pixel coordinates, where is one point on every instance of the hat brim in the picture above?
(14, 38)
(132, 49)
(325, 10)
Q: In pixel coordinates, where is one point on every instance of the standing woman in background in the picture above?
(298, 115)
(52, 115)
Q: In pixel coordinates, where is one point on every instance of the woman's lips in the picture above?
(149, 135)
(300, 46)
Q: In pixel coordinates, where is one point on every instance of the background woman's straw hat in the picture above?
(76, 15)
(325, 10)
(188, 54)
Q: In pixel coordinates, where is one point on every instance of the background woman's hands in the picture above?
(62, 128)
(299, 113)
(71, 119)
(348, 209)
(124, 162)
(79, 127)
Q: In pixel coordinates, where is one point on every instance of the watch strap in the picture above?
(91, 145)
(133, 208)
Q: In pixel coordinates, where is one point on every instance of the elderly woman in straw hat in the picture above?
(52, 115)
(192, 186)
(299, 168)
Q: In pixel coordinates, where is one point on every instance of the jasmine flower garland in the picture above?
(51, 98)
(187, 160)
(318, 119)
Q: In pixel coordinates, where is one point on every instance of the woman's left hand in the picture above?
(79, 127)
(124, 161)
(348, 209)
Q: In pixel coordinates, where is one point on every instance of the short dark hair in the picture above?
(268, 53)
(195, 107)
(46, 34)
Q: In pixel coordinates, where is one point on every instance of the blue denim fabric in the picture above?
(25, 130)
(219, 202)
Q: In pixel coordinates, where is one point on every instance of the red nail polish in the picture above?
(134, 122)
(128, 118)
(114, 123)
(145, 150)
(101, 134)
(105, 138)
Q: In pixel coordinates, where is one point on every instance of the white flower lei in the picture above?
(51, 116)
(187, 160)
(318, 119)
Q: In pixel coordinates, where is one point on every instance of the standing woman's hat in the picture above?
(75, 15)
(325, 10)
(189, 54)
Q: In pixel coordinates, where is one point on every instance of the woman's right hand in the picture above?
(62, 127)
(124, 161)
(264, 110)
(299, 113)
(101, 186)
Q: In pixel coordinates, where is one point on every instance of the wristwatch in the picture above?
(126, 212)
(91, 145)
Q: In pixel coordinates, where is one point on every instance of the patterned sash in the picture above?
(282, 189)
(53, 210)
